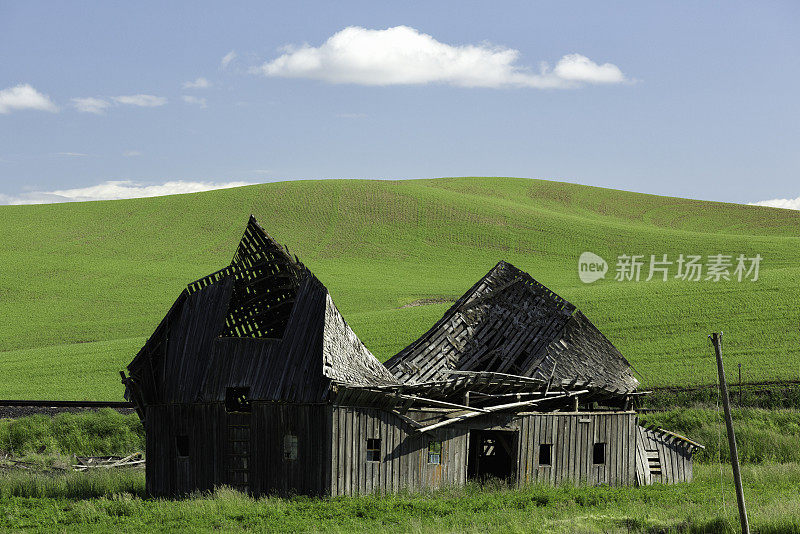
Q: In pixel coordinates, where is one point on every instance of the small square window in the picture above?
(182, 444)
(237, 399)
(545, 454)
(599, 453)
(373, 450)
(435, 452)
(290, 447)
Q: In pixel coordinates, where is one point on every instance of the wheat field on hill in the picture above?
(82, 285)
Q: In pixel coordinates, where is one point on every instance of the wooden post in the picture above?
(740, 384)
(716, 339)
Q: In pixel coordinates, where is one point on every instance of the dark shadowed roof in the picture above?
(264, 322)
(510, 323)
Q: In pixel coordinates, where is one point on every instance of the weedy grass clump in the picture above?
(88, 433)
(72, 484)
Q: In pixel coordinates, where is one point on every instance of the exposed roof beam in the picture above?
(497, 409)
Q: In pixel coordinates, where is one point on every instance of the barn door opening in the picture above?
(492, 454)
(237, 408)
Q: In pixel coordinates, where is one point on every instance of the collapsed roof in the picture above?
(510, 324)
(263, 322)
(266, 323)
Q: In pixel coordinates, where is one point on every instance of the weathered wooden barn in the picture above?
(253, 379)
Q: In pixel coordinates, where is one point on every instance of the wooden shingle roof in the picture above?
(510, 323)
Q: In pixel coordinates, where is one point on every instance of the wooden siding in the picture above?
(203, 468)
(674, 457)
(572, 436)
(404, 453)
(643, 475)
(331, 449)
(271, 471)
(216, 456)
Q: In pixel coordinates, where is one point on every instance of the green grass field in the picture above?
(113, 502)
(82, 285)
(48, 497)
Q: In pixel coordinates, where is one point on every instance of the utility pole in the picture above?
(716, 340)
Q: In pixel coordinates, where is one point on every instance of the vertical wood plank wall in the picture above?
(674, 456)
(332, 453)
(572, 436)
(271, 472)
(403, 453)
(205, 466)
(167, 473)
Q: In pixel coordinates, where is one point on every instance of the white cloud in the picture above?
(227, 59)
(23, 96)
(578, 68)
(97, 106)
(194, 100)
(145, 101)
(114, 190)
(785, 203)
(405, 56)
(72, 154)
(351, 115)
(199, 83)
(131, 153)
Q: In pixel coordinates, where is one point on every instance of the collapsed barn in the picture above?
(254, 380)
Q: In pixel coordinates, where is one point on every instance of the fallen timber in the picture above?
(108, 462)
(496, 409)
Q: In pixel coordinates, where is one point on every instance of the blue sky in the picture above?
(687, 99)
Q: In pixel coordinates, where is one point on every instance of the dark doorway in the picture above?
(492, 454)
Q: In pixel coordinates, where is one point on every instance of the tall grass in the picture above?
(707, 505)
(89, 433)
(72, 484)
(761, 435)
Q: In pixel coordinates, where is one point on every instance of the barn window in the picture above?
(182, 445)
(237, 399)
(435, 452)
(373, 450)
(545, 454)
(599, 453)
(290, 447)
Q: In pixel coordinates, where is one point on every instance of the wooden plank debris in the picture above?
(494, 409)
(108, 462)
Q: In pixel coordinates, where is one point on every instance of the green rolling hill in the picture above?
(82, 285)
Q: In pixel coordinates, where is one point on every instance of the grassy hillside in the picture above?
(82, 285)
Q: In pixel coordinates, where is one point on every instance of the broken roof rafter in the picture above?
(509, 323)
(497, 408)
